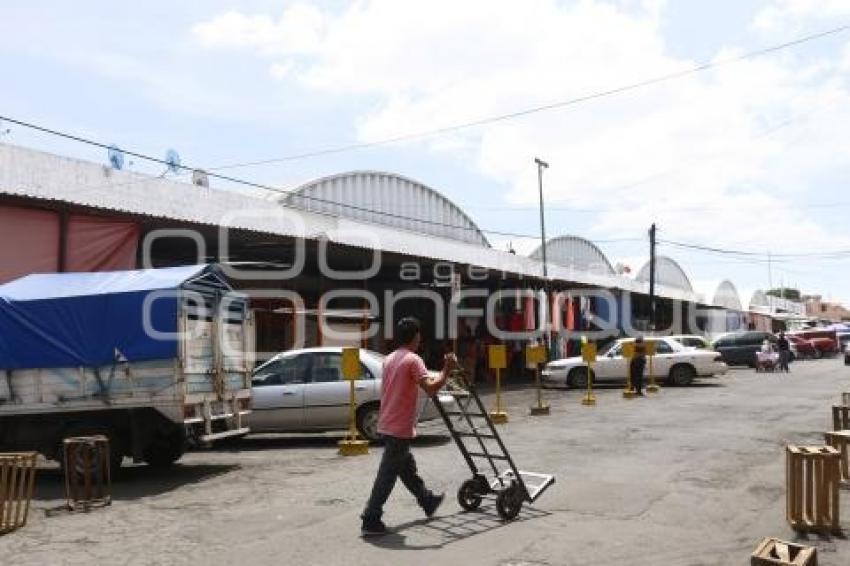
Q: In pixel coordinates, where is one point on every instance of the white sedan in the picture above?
(673, 363)
(304, 391)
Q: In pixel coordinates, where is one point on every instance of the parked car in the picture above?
(739, 348)
(847, 355)
(825, 340)
(673, 363)
(692, 341)
(802, 348)
(304, 390)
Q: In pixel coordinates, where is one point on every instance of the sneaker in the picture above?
(373, 528)
(432, 504)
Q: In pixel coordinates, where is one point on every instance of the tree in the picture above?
(785, 293)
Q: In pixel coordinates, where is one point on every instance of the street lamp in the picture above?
(541, 165)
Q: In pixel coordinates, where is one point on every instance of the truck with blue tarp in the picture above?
(153, 359)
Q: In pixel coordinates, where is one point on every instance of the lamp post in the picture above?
(541, 165)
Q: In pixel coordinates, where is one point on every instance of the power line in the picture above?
(544, 108)
(838, 254)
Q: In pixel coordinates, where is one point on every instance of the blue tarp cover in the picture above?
(87, 319)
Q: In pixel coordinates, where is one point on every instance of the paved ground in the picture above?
(692, 476)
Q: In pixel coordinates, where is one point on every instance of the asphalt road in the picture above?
(689, 476)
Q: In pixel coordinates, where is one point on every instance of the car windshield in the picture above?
(607, 348)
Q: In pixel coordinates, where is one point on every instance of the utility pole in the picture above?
(652, 277)
(769, 271)
(770, 301)
(541, 165)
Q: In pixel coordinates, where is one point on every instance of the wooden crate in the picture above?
(17, 478)
(840, 440)
(840, 417)
(775, 552)
(87, 476)
(812, 478)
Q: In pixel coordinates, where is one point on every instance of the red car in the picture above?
(805, 348)
(826, 341)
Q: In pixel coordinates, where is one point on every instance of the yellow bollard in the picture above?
(351, 445)
(650, 351)
(497, 357)
(537, 355)
(629, 353)
(588, 354)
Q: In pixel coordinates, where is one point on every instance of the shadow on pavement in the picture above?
(619, 386)
(134, 482)
(449, 529)
(279, 442)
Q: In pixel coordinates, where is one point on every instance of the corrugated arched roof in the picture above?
(727, 296)
(759, 299)
(575, 252)
(389, 199)
(667, 273)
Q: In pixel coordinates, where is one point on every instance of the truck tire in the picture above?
(165, 449)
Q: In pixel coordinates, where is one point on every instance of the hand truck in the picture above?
(510, 486)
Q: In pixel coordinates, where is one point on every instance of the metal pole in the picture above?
(652, 277)
(541, 165)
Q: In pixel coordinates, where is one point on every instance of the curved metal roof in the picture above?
(387, 199)
(667, 273)
(759, 299)
(575, 252)
(727, 296)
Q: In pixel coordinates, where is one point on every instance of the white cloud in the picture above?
(297, 30)
(720, 156)
(793, 15)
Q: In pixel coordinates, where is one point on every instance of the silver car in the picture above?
(304, 390)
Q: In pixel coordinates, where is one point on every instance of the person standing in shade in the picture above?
(637, 365)
(404, 374)
(784, 347)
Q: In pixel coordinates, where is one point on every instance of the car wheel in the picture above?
(681, 375)
(577, 378)
(367, 421)
(818, 354)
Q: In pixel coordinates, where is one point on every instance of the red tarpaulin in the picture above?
(29, 242)
(101, 244)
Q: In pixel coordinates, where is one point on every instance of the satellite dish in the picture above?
(172, 161)
(200, 178)
(116, 157)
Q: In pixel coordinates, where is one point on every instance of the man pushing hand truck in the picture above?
(404, 374)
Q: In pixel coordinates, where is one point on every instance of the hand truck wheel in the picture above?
(509, 503)
(467, 496)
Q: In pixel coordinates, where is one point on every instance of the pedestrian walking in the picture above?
(784, 352)
(637, 365)
(404, 373)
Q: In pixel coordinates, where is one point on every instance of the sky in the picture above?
(748, 155)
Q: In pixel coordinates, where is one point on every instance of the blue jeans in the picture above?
(396, 462)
